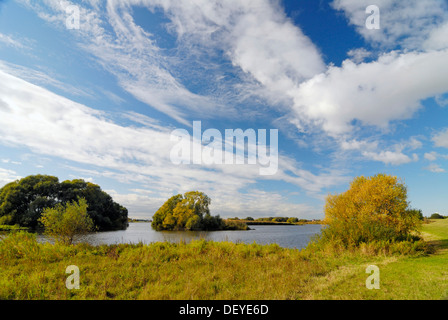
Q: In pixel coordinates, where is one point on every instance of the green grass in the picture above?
(423, 277)
(218, 270)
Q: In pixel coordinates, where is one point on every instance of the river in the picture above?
(288, 236)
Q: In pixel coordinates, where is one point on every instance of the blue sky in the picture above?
(100, 102)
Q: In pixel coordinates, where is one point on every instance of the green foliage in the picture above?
(436, 216)
(415, 212)
(186, 212)
(23, 201)
(67, 222)
(235, 225)
(6, 227)
(373, 209)
(292, 220)
(19, 245)
(278, 221)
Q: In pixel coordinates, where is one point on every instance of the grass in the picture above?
(422, 277)
(218, 270)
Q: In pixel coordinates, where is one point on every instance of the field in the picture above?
(219, 270)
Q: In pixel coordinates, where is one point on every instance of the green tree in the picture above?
(23, 201)
(163, 218)
(416, 212)
(292, 220)
(67, 222)
(374, 208)
(436, 216)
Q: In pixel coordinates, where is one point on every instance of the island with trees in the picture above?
(276, 221)
(190, 211)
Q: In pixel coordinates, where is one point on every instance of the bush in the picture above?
(66, 223)
(235, 225)
(373, 209)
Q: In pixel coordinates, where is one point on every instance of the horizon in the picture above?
(95, 89)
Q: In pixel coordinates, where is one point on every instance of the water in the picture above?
(288, 236)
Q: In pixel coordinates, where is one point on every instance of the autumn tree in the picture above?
(186, 212)
(373, 208)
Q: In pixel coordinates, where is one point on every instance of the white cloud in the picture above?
(374, 94)
(7, 176)
(271, 58)
(431, 156)
(413, 144)
(389, 157)
(41, 78)
(411, 24)
(359, 55)
(11, 42)
(267, 54)
(52, 125)
(437, 38)
(435, 168)
(440, 139)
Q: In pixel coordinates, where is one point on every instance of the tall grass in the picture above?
(197, 270)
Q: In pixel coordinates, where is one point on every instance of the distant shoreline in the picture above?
(250, 222)
(280, 223)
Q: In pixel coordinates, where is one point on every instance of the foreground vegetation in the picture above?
(219, 270)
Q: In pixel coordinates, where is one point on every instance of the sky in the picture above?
(95, 89)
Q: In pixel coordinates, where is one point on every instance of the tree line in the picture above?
(272, 220)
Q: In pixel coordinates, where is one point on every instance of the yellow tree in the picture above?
(374, 208)
(186, 212)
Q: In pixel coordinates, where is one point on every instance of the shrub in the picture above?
(235, 225)
(67, 222)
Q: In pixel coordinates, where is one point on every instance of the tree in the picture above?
(186, 212)
(23, 201)
(67, 222)
(292, 220)
(436, 216)
(374, 208)
(416, 212)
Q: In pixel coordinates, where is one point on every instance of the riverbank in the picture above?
(217, 270)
